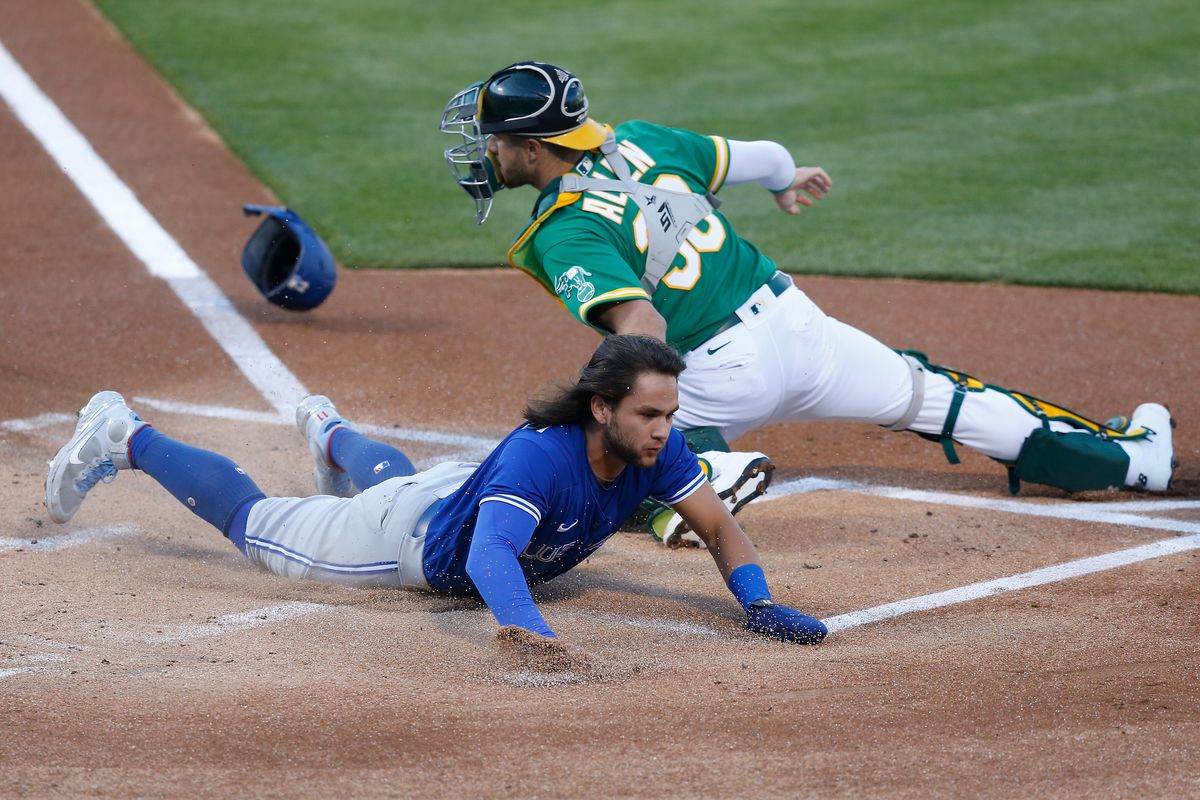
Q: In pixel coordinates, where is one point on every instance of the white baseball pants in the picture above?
(365, 540)
(789, 362)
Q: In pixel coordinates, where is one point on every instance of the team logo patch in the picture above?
(575, 281)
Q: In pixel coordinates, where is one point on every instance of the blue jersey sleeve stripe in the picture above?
(519, 502)
(686, 491)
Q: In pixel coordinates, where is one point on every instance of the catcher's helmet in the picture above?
(532, 98)
(287, 261)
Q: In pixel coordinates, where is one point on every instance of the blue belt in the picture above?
(780, 282)
(422, 526)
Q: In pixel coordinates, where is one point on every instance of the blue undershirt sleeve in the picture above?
(501, 532)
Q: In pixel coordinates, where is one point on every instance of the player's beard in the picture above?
(623, 447)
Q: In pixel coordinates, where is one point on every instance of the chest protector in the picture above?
(670, 215)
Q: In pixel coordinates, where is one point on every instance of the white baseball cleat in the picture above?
(317, 419)
(99, 448)
(737, 479)
(1152, 460)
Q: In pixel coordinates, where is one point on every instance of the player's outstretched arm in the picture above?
(771, 166)
(501, 532)
(737, 560)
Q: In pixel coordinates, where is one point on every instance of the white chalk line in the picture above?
(1025, 580)
(234, 622)
(31, 424)
(473, 444)
(119, 207)
(470, 447)
(1083, 512)
(29, 663)
(32, 661)
(644, 623)
(46, 544)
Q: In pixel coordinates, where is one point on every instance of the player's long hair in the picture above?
(611, 373)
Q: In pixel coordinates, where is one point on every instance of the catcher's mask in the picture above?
(529, 98)
(287, 261)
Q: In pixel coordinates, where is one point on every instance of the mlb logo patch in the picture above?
(381, 466)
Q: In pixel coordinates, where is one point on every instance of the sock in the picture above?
(237, 526)
(209, 484)
(369, 462)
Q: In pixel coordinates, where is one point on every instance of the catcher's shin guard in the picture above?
(1077, 461)
(701, 440)
(1085, 458)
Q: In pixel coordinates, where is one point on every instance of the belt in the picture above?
(780, 282)
(422, 526)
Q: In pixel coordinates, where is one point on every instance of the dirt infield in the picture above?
(140, 655)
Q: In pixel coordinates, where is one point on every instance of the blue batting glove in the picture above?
(781, 622)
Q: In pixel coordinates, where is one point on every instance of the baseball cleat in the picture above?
(737, 479)
(1155, 460)
(317, 420)
(97, 450)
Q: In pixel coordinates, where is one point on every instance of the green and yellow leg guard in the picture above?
(1075, 461)
(1084, 459)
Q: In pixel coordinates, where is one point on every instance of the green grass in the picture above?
(1011, 141)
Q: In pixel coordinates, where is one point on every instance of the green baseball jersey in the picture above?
(589, 248)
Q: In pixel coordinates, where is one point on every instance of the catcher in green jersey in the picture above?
(627, 234)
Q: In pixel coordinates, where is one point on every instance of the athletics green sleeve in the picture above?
(585, 269)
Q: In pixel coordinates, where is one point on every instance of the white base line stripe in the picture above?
(36, 423)
(238, 621)
(1083, 512)
(63, 541)
(8, 673)
(645, 623)
(145, 238)
(472, 444)
(1025, 580)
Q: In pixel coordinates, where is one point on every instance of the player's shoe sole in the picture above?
(737, 478)
(752, 482)
(94, 454)
(317, 419)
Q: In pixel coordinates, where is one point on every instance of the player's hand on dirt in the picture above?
(811, 183)
(782, 622)
(523, 649)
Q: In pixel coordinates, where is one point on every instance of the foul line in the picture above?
(63, 541)
(224, 624)
(475, 444)
(238, 621)
(36, 423)
(1025, 580)
(1084, 512)
(145, 238)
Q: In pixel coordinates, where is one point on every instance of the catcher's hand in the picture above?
(813, 181)
(782, 622)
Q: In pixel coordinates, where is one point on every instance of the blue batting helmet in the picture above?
(287, 261)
